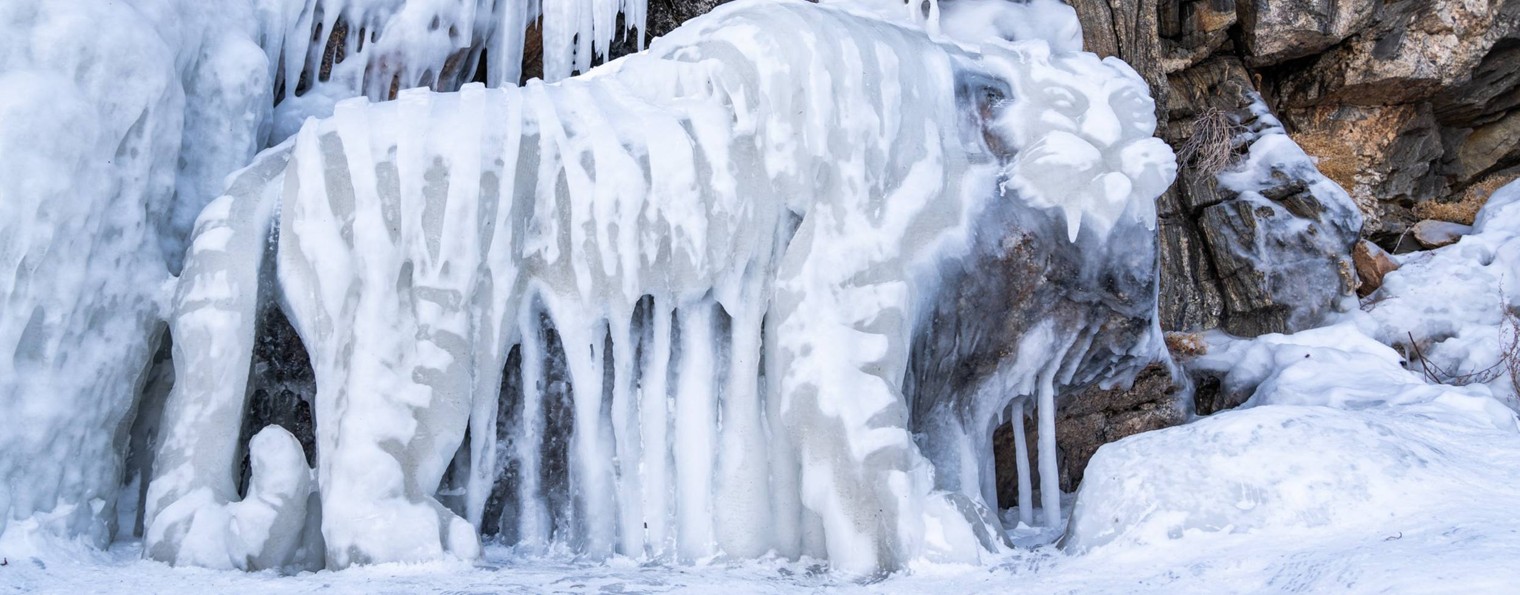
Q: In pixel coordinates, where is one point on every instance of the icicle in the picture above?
(695, 423)
(603, 24)
(742, 519)
(505, 55)
(625, 432)
(787, 517)
(1021, 462)
(1050, 477)
(636, 15)
(654, 431)
(533, 526)
(591, 459)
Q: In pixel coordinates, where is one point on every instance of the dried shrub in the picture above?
(1509, 350)
(1335, 160)
(1465, 210)
(1211, 147)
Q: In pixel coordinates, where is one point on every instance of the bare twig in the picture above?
(1509, 345)
(1439, 375)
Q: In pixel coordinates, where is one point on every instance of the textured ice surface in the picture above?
(122, 119)
(670, 305)
(88, 223)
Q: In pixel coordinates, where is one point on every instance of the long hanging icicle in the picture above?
(654, 432)
(1050, 475)
(743, 489)
(1021, 461)
(533, 525)
(695, 421)
(626, 437)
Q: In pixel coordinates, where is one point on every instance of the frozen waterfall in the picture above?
(765, 288)
(710, 281)
(121, 120)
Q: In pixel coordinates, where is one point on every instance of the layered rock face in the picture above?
(1401, 103)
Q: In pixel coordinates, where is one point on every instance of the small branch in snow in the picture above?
(1439, 375)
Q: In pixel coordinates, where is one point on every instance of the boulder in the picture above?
(1415, 51)
(1435, 234)
(1372, 263)
(1275, 31)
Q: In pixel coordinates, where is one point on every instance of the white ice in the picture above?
(122, 120)
(679, 218)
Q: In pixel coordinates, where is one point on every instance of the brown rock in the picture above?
(1088, 419)
(1383, 156)
(1372, 263)
(1415, 51)
(1489, 148)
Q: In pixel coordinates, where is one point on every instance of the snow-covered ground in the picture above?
(1470, 544)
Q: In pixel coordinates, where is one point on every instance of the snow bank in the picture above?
(1337, 435)
(1341, 431)
(1453, 300)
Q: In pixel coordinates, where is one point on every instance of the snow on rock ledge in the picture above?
(1340, 430)
(741, 225)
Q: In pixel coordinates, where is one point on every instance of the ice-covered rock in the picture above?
(1282, 237)
(1339, 429)
(670, 310)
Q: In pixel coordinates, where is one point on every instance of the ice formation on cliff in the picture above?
(681, 308)
(121, 121)
(93, 214)
(727, 271)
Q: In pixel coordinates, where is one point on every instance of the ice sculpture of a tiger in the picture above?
(725, 245)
